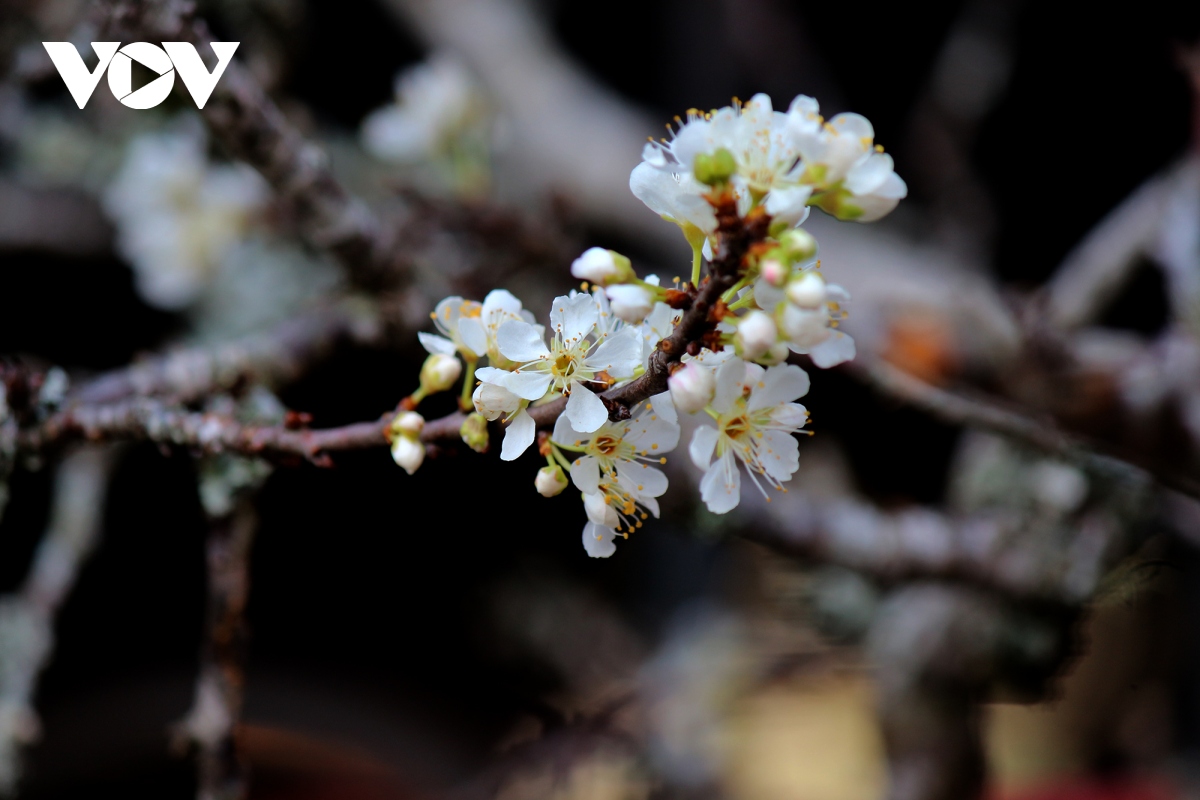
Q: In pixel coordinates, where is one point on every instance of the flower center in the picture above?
(737, 427)
(606, 445)
(564, 365)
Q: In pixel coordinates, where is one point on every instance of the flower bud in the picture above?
(802, 327)
(599, 511)
(774, 271)
(715, 168)
(807, 290)
(798, 244)
(776, 355)
(494, 401)
(791, 415)
(408, 453)
(602, 267)
(692, 387)
(474, 432)
(439, 373)
(630, 302)
(408, 423)
(756, 334)
(550, 481)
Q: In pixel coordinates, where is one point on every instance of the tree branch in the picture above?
(272, 358)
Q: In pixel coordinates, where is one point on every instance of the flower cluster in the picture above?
(624, 356)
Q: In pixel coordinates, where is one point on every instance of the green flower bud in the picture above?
(474, 432)
(798, 245)
(713, 169)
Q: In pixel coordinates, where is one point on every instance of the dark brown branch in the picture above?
(272, 358)
(155, 421)
(212, 724)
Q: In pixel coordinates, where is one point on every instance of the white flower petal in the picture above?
(598, 540)
(520, 342)
(585, 410)
(648, 481)
(704, 442)
(780, 384)
(528, 385)
(729, 384)
(518, 436)
(436, 345)
(585, 474)
(721, 486)
(780, 454)
(835, 350)
(573, 317)
(619, 355)
(473, 335)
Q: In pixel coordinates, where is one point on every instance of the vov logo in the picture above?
(164, 61)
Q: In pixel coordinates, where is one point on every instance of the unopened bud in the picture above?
(802, 327)
(474, 432)
(550, 481)
(798, 245)
(807, 290)
(715, 168)
(630, 302)
(692, 387)
(603, 267)
(756, 334)
(408, 452)
(439, 373)
(408, 423)
(774, 271)
(776, 355)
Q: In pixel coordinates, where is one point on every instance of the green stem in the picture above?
(464, 401)
(697, 260)
(733, 290)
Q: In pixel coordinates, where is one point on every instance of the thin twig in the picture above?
(990, 415)
(273, 358)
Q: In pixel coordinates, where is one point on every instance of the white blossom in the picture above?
(692, 387)
(767, 164)
(755, 419)
(676, 197)
(630, 302)
(177, 215)
(602, 267)
(572, 360)
(477, 330)
(493, 401)
(446, 316)
(854, 178)
(658, 325)
(435, 103)
(613, 466)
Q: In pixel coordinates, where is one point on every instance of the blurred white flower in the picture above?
(692, 387)
(178, 215)
(436, 102)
